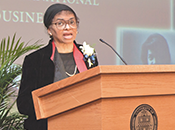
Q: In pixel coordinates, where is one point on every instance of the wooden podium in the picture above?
(105, 97)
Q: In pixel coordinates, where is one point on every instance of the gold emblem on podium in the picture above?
(144, 118)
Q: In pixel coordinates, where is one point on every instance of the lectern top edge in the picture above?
(101, 82)
(117, 69)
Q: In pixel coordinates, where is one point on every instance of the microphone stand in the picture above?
(114, 51)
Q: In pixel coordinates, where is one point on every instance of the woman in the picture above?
(155, 50)
(61, 58)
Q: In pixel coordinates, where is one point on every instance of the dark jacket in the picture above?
(38, 71)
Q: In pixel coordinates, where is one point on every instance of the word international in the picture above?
(83, 2)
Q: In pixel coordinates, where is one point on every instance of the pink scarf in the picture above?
(78, 56)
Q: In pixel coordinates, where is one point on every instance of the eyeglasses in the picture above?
(61, 23)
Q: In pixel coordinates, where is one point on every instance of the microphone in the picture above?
(113, 50)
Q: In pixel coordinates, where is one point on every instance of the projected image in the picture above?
(155, 50)
(173, 13)
(147, 47)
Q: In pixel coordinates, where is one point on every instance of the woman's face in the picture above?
(60, 33)
(151, 59)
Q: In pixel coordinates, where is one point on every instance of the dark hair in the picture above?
(159, 46)
(55, 9)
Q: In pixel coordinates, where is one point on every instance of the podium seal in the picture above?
(144, 118)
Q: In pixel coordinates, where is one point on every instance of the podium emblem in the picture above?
(144, 118)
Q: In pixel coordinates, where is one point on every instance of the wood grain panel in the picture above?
(104, 97)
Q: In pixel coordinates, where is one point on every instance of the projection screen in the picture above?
(138, 30)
